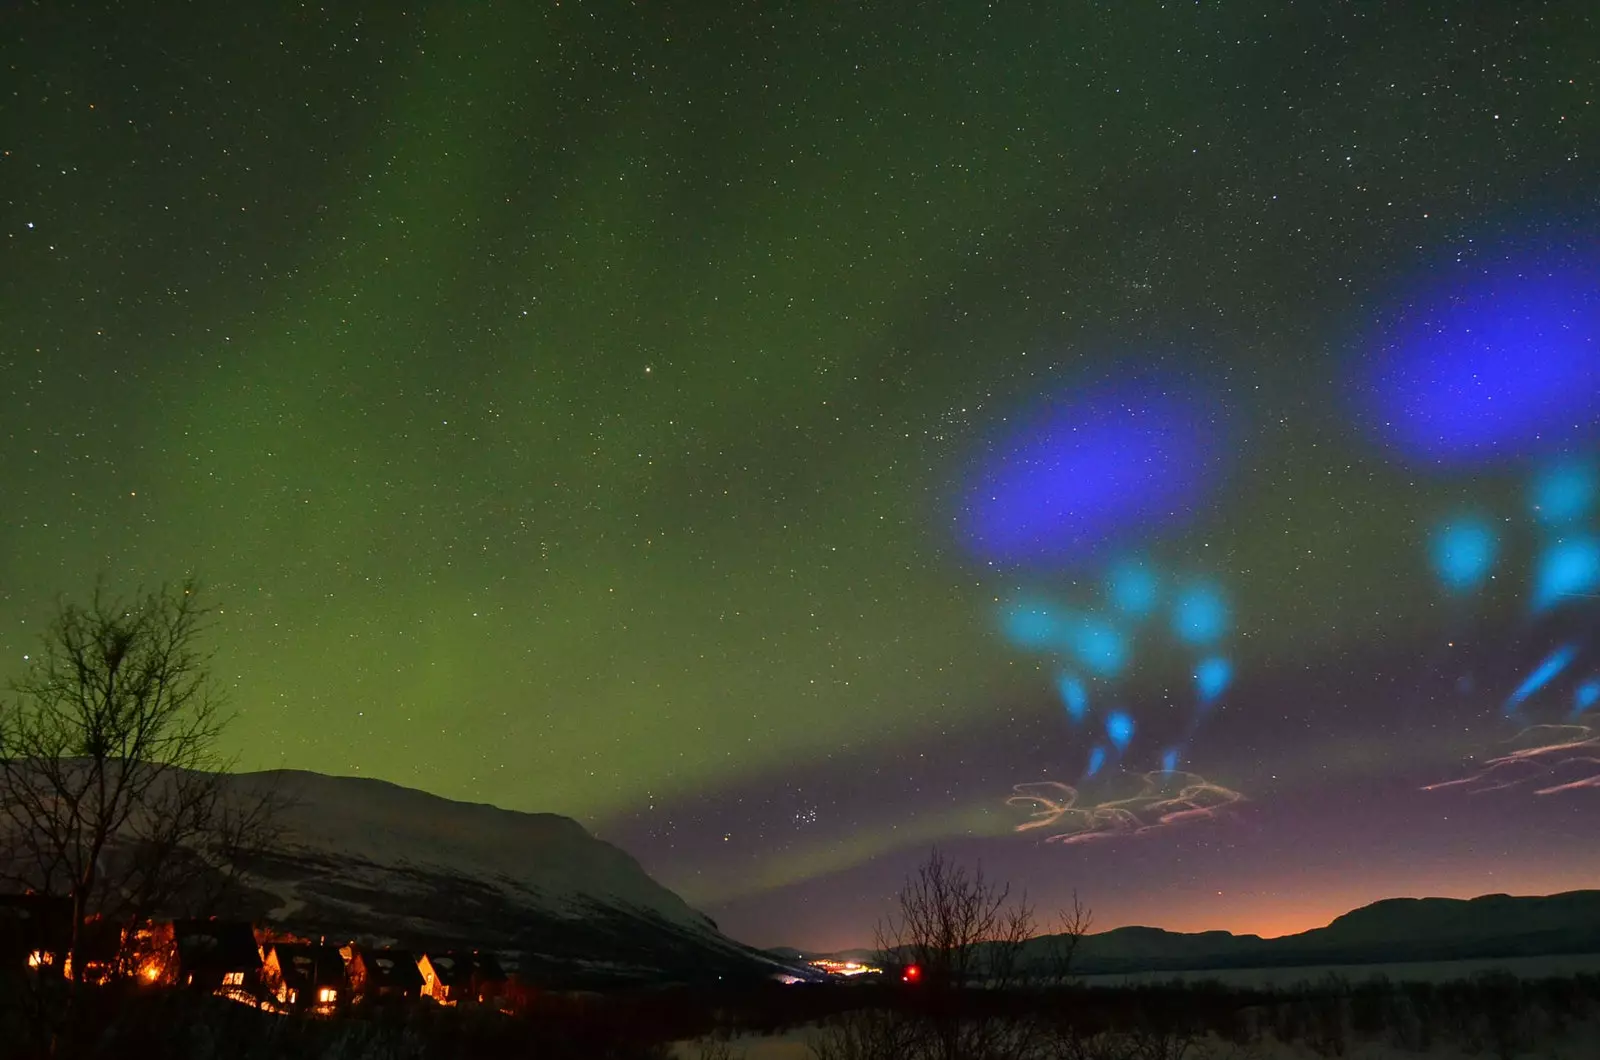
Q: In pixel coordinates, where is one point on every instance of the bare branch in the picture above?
(111, 789)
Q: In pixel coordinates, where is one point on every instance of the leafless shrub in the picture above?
(968, 939)
(1059, 959)
(716, 1049)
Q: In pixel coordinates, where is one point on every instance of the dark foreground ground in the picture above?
(1491, 1016)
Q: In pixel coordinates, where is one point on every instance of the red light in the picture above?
(912, 974)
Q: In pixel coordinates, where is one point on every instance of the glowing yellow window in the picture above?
(233, 979)
(327, 995)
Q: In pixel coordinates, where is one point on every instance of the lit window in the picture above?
(233, 979)
(327, 995)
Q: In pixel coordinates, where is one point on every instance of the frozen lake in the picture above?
(793, 1044)
(1419, 971)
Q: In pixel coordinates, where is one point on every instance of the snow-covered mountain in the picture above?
(372, 860)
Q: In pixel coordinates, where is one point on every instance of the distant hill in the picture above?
(1434, 929)
(1391, 931)
(367, 859)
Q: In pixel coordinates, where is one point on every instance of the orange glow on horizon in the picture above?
(1290, 909)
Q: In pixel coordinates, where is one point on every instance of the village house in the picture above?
(219, 956)
(102, 943)
(516, 994)
(454, 977)
(229, 958)
(149, 953)
(35, 930)
(305, 976)
(380, 975)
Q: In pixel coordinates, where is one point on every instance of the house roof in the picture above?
(100, 939)
(215, 945)
(34, 922)
(305, 966)
(391, 968)
(455, 966)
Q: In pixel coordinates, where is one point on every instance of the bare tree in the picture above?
(112, 791)
(965, 935)
(957, 927)
(1061, 946)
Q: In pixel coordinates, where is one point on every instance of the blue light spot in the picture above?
(1169, 761)
(1499, 359)
(1074, 696)
(1088, 467)
(1097, 758)
(1200, 615)
(1463, 552)
(1570, 567)
(1132, 588)
(1031, 624)
(1543, 674)
(1587, 695)
(1211, 677)
(1564, 493)
(1098, 646)
(1119, 728)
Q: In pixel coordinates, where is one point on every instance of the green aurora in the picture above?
(565, 404)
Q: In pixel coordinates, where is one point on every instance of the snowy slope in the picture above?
(368, 859)
(545, 854)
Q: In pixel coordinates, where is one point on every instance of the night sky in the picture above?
(1149, 448)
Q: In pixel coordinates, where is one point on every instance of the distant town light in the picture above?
(844, 968)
